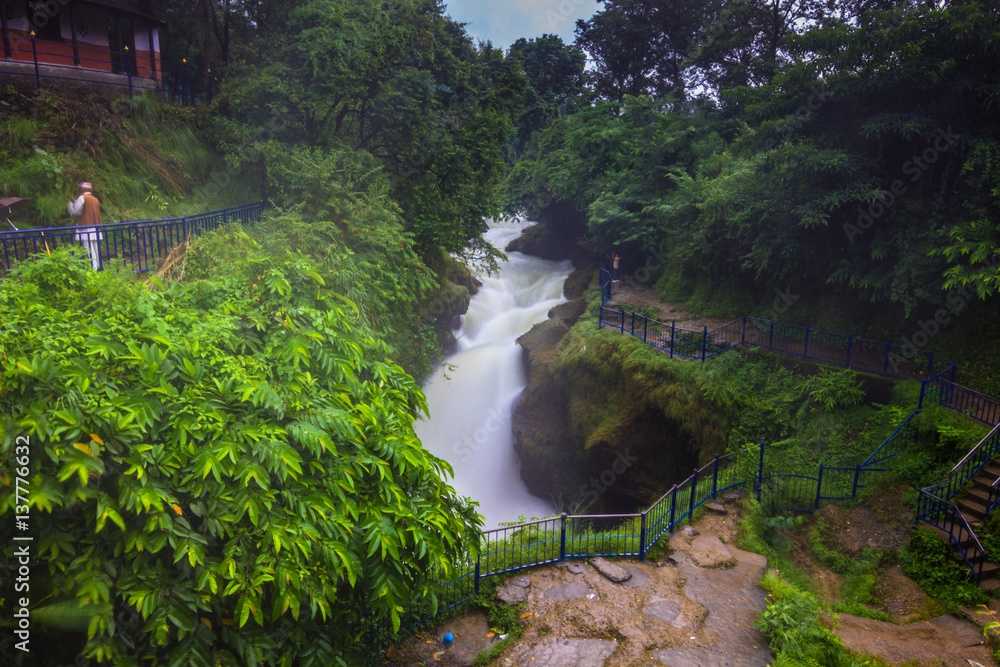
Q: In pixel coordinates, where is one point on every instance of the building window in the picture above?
(46, 26)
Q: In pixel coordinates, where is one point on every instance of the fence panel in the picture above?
(788, 492)
(611, 535)
(839, 483)
(969, 402)
(513, 548)
(140, 243)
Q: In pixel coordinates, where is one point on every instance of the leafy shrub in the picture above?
(831, 389)
(792, 624)
(224, 471)
(930, 562)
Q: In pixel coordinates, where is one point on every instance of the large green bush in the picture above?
(224, 470)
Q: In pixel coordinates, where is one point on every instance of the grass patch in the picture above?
(859, 573)
(930, 562)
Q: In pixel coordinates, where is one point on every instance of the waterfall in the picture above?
(471, 395)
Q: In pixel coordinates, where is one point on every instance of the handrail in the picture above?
(881, 357)
(29, 231)
(142, 243)
(954, 517)
(892, 437)
(972, 451)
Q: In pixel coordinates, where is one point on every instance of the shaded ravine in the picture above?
(471, 395)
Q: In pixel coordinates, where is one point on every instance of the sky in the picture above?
(503, 21)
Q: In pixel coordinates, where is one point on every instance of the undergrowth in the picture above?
(504, 620)
(860, 573)
(146, 158)
(793, 617)
(930, 562)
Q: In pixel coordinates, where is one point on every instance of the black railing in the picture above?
(140, 243)
(969, 402)
(548, 540)
(959, 533)
(801, 342)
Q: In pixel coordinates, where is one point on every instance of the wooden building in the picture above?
(85, 40)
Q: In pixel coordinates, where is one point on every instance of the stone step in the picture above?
(980, 494)
(972, 506)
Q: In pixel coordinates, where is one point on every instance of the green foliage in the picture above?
(930, 562)
(503, 619)
(792, 623)
(144, 157)
(809, 155)
(857, 590)
(989, 535)
(400, 81)
(223, 469)
(833, 388)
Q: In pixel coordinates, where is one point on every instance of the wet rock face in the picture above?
(557, 236)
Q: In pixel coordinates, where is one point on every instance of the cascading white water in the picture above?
(470, 397)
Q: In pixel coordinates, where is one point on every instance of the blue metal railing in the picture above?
(140, 243)
(549, 540)
(792, 340)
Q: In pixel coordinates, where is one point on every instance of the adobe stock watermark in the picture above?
(913, 170)
(21, 545)
(469, 446)
(956, 301)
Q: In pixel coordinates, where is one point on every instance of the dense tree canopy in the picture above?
(399, 81)
(848, 152)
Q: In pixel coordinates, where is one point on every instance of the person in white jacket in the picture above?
(86, 209)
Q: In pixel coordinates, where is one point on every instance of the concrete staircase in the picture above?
(973, 503)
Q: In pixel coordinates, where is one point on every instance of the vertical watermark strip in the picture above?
(21, 544)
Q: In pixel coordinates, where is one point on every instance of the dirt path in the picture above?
(945, 640)
(637, 297)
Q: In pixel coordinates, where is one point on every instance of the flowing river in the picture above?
(471, 395)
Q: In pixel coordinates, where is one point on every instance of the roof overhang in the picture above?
(142, 8)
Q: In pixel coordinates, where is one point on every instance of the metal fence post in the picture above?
(694, 492)
(633, 324)
(715, 477)
(600, 316)
(759, 482)
(850, 349)
(770, 336)
(923, 394)
(645, 328)
(476, 582)
(854, 484)
(621, 319)
(642, 537)
(34, 57)
(819, 485)
(805, 347)
(704, 343)
(562, 536)
(673, 508)
(673, 331)
(743, 332)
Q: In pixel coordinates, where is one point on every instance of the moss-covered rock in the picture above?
(606, 423)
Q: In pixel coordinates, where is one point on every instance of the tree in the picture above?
(642, 46)
(555, 74)
(400, 81)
